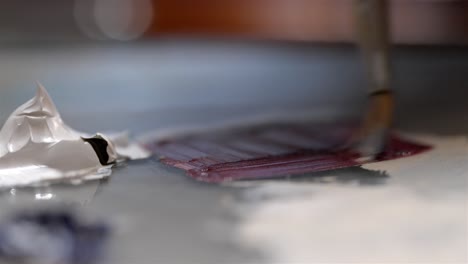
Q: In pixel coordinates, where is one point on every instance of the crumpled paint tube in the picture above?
(37, 147)
(52, 237)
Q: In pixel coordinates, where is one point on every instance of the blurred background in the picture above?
(414, 21)
(239, 56)
(140, 65)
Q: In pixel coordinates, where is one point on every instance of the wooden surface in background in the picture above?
(413, 21)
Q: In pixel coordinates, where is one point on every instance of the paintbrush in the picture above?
(372, 26)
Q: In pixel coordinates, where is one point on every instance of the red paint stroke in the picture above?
(269, 151)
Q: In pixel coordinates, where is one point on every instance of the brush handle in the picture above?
(372, 25)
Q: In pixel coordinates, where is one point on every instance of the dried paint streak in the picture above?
(269, 151)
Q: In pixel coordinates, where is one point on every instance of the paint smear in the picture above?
(266, 151)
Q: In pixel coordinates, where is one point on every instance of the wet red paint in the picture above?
(269, 151)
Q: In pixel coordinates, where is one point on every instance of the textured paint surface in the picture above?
(270, 151)
(415, 215)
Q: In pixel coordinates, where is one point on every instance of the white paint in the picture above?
(36, 121)
(127, 148)
(36, 146)
(418, 216)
